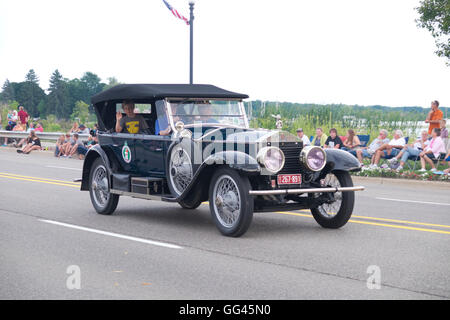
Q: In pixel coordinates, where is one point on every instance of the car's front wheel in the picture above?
(230, 203)
(103, 201)
(334, 214)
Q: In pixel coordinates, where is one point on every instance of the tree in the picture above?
(30, 93)
(435, 17)
(80, 112)
(32, 77)
(8, 93)
(58, 96)
(112, 81)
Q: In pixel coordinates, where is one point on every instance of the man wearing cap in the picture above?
(82, 129)
(302, 137)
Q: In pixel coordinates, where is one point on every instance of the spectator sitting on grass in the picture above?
(75, 146)
(432, 151)
(30, 127)
(389, 150)
(368, 152)
(32, 144)
(301, 135)
(82, 129)
(333, 141)
(74, 128)
(351, 142)
(39, 127)
(24, 140)
(68, 143)
(411, 150)
(59, 144)
(320, 138)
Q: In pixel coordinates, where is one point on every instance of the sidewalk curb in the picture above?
(396, 181)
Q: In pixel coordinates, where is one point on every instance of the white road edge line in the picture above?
(424, 202)
(64, 168)
(112, 234)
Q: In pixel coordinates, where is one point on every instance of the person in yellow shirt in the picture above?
(132, 122)
(434, 117)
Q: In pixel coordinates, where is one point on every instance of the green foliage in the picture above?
(80, 112)
(435, 17)
(62, 97)
(364, 120)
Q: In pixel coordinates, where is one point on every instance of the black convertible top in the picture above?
(160, 91)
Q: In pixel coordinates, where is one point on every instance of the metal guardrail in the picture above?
(41, 135)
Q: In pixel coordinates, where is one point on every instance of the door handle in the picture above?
(158, 149)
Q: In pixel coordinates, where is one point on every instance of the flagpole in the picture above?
(191, 48)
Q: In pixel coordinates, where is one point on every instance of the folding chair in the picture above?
(364, 138)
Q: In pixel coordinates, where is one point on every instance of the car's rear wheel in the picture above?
(103, 201)
(230, 203)
(336, 214)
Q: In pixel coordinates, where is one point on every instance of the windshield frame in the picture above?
(242, 112)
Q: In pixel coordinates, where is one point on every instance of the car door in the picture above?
(151, 153)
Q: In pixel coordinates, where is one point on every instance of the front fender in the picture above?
(92, 154)
(342, 160)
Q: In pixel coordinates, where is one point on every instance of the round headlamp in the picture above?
(314, 158)
(271, 158)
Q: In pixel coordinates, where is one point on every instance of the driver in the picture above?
(162, 122)
(207, 114)
(132, 123)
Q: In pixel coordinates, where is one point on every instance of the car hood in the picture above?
(242, 135)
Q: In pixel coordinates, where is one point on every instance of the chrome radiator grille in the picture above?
(291, 152)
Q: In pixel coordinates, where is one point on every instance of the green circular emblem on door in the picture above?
(126, 153)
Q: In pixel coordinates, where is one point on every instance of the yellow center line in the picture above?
(36, 178)
(307, 214)
(396, 220)
(66, 184)
(372, 223)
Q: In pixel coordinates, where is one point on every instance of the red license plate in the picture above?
(289, 179)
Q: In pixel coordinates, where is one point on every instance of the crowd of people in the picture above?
(430, 147)
(69, 144)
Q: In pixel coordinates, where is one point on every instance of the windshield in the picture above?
(208, 112)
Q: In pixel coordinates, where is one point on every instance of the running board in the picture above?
(162, 197)
(298, 191)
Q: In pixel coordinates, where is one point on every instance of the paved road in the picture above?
(156, 250)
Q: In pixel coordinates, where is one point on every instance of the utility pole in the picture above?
(191, 49)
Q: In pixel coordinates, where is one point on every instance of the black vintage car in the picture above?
(194, 144)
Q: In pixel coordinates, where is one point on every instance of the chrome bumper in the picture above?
(297, 191)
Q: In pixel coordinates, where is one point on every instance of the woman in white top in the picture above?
(411, 150)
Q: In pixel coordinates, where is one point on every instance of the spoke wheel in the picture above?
(230, 203)
(336, 213)
(103, 201)
(180, 170)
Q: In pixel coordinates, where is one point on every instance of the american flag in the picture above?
(175, 12)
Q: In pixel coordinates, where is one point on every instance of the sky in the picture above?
(363, 52)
